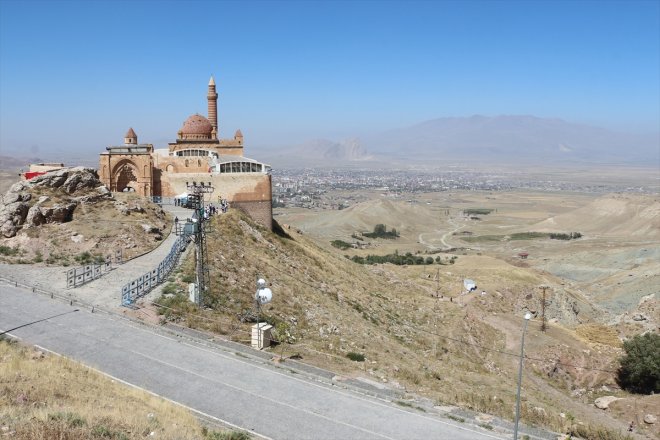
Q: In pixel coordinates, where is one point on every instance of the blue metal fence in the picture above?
(144, 284)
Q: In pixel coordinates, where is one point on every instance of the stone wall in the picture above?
(251, 192)
(259, 211)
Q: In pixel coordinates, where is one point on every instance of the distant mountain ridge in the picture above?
(502, 139)
(511, 138)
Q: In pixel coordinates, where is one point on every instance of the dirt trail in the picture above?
(443, 238)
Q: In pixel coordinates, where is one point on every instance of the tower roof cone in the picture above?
(211, 81)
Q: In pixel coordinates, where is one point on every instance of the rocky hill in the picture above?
(68, 216)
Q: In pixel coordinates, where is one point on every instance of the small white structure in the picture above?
(469, 285)
(193, 293)
(261, 335)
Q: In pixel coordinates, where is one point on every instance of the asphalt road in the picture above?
(270, 402)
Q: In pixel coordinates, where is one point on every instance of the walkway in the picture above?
(104, 292)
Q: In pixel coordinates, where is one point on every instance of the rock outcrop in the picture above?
(604, 402)
(72, 185)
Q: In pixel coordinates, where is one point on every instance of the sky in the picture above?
(75, 75)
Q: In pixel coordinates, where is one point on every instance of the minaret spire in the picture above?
(212, 97)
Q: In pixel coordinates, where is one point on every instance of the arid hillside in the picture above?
(413, 328)
(625, 215)
(67, 217)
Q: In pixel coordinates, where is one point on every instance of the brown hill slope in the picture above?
(453, 349)
(365, 215)
(616, 214)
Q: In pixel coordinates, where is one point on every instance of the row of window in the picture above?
(185, 153)
(241, 167)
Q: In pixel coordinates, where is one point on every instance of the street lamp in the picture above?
(261, 297)
(528, 316)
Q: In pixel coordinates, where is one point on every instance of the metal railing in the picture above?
(78, 276)
(160, 200)
(144, 284)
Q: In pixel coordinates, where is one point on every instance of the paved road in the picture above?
(271, 402)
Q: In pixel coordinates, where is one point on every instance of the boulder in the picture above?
(60, 213)
(79, 181)
(69, 180)
(604, 402)
(34, 217)
(650, 419)
(12, 218)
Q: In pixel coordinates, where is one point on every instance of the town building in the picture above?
(198, 154)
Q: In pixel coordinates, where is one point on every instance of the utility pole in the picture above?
(196, 193)
(543, 304)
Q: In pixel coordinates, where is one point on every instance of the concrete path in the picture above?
(104, 292)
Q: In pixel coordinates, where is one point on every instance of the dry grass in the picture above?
(48, 397)
(598, 333)
(329, 307)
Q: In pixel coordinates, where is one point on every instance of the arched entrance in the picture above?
(125, 177)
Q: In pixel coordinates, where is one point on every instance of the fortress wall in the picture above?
(250, 192)
(259, 211)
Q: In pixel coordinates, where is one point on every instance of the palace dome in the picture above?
(198, 125)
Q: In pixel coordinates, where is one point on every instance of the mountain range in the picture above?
(503, 139)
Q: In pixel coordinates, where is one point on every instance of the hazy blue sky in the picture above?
(77, 74)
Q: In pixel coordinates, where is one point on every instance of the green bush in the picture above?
(477, 211)
(84, 258)
(357, 357)
(71, 419)
(640, 366)
(340, 244)
(190, 278)
(9, 251)
(380, 231)
(395, 258)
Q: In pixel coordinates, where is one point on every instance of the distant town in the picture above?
(330, 188)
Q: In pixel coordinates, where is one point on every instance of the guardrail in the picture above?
(144, 284)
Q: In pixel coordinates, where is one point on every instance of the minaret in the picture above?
(130, 138)
(213, 105)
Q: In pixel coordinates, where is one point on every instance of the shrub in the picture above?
(477, 211)
(84, 258)
(190, 278)
(340, 244)
(71, 419)
(380, 231)
(357, 357)
(169, 289)
(640, 366)
(9, 251)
